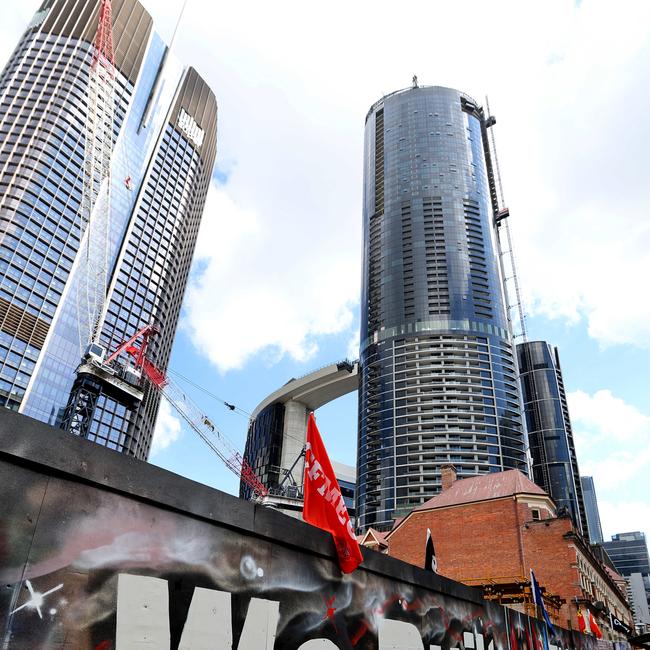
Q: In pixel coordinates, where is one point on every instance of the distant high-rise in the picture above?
(629, 553)
(438, 370)
(591, 509)
(165, 127)
(555, 466)
(638, 589)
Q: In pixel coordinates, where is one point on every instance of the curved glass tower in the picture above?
(555, 466)
(438, 372)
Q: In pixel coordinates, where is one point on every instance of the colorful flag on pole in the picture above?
(582, 626)
(539, 601)
(594, 626)
(430, 561)
(324, 506)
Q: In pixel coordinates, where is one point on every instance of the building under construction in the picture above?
(107, 146)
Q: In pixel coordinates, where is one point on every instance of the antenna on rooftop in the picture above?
(178, 22)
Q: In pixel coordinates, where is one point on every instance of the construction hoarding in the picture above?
(102, 551)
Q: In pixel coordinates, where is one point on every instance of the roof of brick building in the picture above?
(372, 537)
(483, 488)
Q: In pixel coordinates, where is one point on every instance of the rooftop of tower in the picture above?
(401, 91)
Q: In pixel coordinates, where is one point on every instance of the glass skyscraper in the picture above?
(438, 370)
(629, 553)
(165, 128)
(591, 509)
(550, 436)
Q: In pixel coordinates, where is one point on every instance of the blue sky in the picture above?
(275, 288)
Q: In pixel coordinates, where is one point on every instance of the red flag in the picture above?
(594, 626)
(582, 626)
(324, 506)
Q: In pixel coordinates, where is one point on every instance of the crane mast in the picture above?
(96, 193)
(512, 290)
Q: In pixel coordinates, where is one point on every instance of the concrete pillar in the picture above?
(294, 437)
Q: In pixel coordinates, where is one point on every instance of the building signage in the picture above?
(190, 128)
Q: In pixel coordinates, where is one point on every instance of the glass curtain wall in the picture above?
(438, 375)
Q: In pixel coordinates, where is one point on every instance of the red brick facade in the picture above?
(499, 540)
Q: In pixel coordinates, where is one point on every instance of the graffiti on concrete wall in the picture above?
(81, 567)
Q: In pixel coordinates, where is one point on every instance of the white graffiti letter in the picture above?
(397, 635)
(260, 625)
(142, 613)
(209, 623)
(143, 618)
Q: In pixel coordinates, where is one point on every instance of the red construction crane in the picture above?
(189, 411)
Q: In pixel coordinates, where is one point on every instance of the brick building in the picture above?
(374, 539)
(491, 530)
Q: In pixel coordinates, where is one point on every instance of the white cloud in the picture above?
(571, 135)
(247, 298)
(168, 428)
(573, 154)
(292, 101)
(612, 438)
(623, 516)
(613, 445)
(608, 418)
(353, 345)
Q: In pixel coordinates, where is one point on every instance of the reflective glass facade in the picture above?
(555, 467)
(591, 509)
(154, 221)
(438, 373)
(629, 553)
(263, 450)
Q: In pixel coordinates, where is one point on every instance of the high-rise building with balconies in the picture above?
(438, 368)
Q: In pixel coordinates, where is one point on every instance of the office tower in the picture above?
(591, 510)
(629, 553)
(165, 130)
(438, 371)
(638, 591)
(555, 467)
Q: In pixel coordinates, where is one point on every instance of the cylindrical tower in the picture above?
(438, 373)
(555, 466)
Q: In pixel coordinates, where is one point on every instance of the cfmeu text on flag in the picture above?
(324, 505)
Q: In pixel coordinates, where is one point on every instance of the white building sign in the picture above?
(190, 128)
